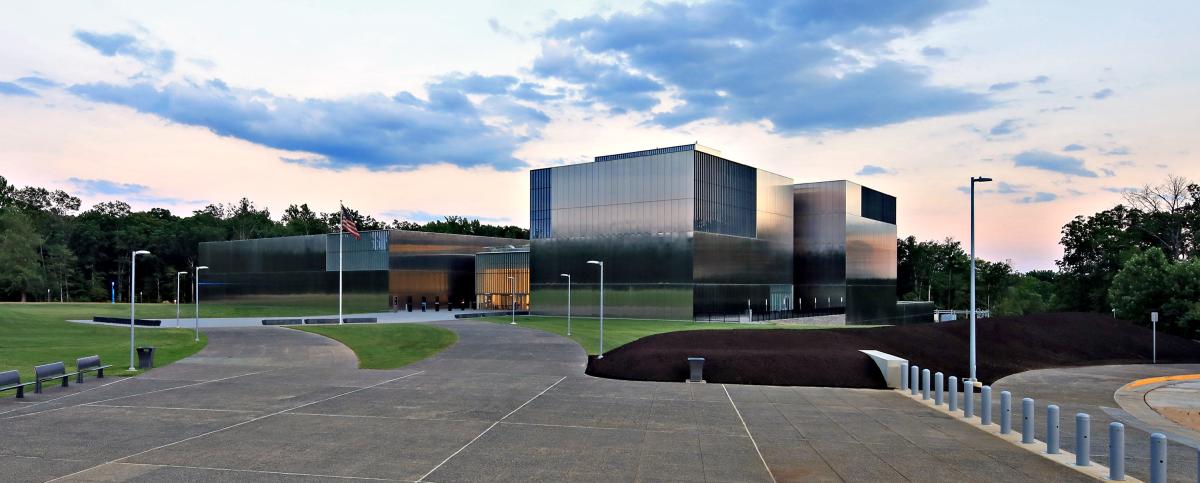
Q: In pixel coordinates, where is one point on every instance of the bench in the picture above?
(89, 364)
(50, 372)
(12, 380)
(889, 365)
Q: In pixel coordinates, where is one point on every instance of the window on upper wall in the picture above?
(539, 203)
(725, 196)
(878, 206)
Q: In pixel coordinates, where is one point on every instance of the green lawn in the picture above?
(259, 307)
(388, 346)
(37, 333)
(618, 332)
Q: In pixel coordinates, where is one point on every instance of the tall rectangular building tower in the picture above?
(683, 233)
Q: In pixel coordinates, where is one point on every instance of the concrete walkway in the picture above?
(187, 322)
(1091, 390)
(504, 404)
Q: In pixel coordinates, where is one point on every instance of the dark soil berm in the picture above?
(831, 358)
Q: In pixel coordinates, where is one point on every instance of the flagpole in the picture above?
(341, 226)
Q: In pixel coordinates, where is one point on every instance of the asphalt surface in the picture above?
(504, 404)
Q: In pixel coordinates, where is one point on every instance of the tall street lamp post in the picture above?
(177, 275)
(132, 303)
(568, 302)
(974, 180)
(513, 295)
(196, 299)
(600, 355)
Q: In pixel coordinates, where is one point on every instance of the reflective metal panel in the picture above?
(437, 269)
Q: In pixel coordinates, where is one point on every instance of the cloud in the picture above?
(1102, 93)
(371, 131)
(37, 82)
(1053, 162)
(106, 187)
(1117, 151)
(479, 84)
(872, 170)
(1074, 147)
(126, 45)
(1005, 127)
(1005, 188)
(1003, 86)
(1108, 172)
(532, 91)
(933, 52)
(497, 28)
(1041, 79)
(11, 89)
(1119, 189)
(1039, 197)
(803, 67)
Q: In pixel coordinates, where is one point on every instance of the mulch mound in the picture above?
(831, 358)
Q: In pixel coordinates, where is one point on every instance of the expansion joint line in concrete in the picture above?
(66, 396)
(489, 428)
(248, 421)
(261, 472)
(747, 428)
(97, 403)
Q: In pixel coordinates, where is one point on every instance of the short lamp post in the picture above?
(1154, 337)
(133, 304)
(196, 299)
(568, 302)
(600, 355)
(974, 180)
(512, 293)
(177, 275)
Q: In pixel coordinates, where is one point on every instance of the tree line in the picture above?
(1138, 257)
(50, 250)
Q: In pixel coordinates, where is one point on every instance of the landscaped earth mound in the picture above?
(831, 357)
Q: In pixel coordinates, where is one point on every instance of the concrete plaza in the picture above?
(504, 404)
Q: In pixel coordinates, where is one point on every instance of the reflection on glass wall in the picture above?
(683, 234)
(539, 203)
(289, 271)
(845, 261)
(436, 270)
(385, 269)
(502, 277)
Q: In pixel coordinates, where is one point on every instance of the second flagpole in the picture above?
(341, 226)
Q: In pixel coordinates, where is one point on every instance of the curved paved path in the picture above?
(504, 404)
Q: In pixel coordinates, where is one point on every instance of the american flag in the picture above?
(348, 225)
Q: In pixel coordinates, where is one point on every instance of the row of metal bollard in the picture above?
(915, 379)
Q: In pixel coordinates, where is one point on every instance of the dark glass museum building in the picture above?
(386, 269)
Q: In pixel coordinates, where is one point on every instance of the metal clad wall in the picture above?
(286, 271)
(820, 246)
(870, 259)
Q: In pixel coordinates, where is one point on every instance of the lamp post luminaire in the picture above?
(177, 275)
(196, 299)
(600, 355)
(568, 302)
(974, 180)
(132, 303)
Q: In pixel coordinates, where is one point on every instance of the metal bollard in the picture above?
(1158, 458)
(985, 405)
(1083, 439)
(968, 399)
(1116, 451)
(1027, 421)
(903, 376)
(1005, 412)
(1052, 427)
(953, 393)
(925, 384)
(937, 389)
(913, 375)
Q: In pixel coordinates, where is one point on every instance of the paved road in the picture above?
(504, 404)
(187, 322)
(1090, 390)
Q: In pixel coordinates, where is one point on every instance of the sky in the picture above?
(417, 110)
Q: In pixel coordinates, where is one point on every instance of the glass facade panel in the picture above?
(539, 203)
(493, 289)
(726, 196)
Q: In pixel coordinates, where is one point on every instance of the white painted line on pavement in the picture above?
(489, 428)
(747, 428)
